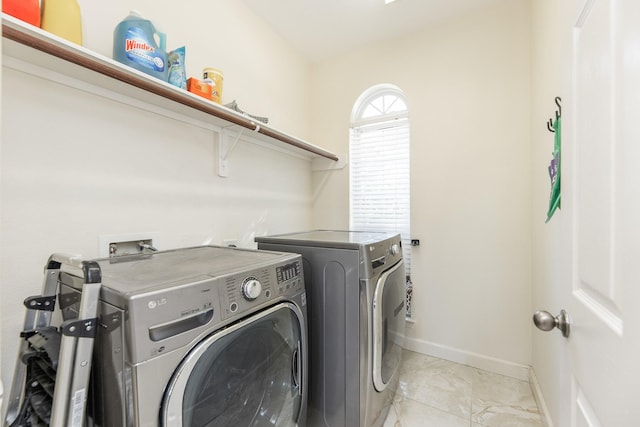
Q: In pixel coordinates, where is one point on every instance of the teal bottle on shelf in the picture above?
(138, 44)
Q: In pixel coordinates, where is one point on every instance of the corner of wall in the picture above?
(475, 360)
(537, 394)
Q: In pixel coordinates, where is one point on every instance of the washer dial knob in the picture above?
(251, 288)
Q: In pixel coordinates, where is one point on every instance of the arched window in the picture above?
(379, 197)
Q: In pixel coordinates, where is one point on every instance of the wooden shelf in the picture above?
(31, 45)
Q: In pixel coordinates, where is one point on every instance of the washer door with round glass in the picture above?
(389, 317)
(249, 374)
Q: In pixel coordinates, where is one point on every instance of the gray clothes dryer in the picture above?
(356, 297)
(194, 337)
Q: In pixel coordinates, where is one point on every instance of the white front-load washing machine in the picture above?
(356, 289)
(203, 336)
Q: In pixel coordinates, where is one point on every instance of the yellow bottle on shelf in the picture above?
(62, 18)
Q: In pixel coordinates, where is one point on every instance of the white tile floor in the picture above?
(439, 393)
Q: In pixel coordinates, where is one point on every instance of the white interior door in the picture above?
(601, 191)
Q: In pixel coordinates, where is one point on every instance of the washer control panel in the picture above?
(244, 292)
(288, 272)
(288, 276)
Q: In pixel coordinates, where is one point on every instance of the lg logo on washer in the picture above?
(155, 303)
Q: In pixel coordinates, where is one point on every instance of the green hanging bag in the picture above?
(554, 171)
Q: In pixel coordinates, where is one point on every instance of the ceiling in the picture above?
(320, 29)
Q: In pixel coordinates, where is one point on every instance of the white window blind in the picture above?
(380, 177)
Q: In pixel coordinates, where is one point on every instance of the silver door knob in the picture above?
(546, 322)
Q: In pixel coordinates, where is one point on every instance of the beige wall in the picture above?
(76, 165)
(467, 82)
(551, 67)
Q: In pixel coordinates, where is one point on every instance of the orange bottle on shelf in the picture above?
(25, 10)
(62, 18)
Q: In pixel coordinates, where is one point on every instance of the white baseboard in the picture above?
(476, 360)
(537, 394)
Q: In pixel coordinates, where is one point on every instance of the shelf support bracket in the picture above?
(226, 146)
(321, 164)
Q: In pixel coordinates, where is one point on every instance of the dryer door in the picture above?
(389, 317)
(249, 374)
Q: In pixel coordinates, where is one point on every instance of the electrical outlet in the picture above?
(127, 244)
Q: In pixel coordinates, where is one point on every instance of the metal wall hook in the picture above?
(546, 322)
(558, 100)
(559, 110)
(550, 126)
